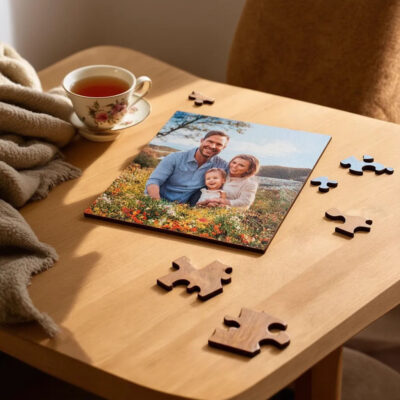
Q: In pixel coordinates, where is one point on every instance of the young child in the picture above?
(214, 180)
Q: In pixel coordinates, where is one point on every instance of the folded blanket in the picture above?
(14, 69)
(29, 169)
(21, 256)
(28, 112)
(33, 126)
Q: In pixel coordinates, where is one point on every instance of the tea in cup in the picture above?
(102, 94)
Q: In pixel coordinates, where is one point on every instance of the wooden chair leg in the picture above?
(323, 380)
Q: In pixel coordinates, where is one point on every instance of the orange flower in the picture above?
(244, 239)
(88, 211)
(217, 230)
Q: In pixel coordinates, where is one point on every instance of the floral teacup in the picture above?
(102, 94)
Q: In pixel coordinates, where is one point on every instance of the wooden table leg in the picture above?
(323, 380)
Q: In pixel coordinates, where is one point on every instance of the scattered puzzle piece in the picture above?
(199, 98)
(324, 183)
(351, 225)
(357, 167)
(251, 329)
(207, 280)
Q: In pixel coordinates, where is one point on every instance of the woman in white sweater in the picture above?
(241, 185)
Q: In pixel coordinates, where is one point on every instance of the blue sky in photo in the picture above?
(271, 145)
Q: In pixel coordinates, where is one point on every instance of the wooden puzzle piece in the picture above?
(208, 280)
(357, 167)
(324, 183)
(247, 332)
(351, 225)
(199, 98)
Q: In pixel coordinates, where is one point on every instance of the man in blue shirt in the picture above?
(179, 175)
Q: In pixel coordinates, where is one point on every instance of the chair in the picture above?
(344, 55)
(341, 54)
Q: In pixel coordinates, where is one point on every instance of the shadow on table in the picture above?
(20, 382)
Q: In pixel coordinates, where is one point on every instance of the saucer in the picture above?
(136, 114)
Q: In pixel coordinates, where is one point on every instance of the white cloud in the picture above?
(180, 141)
(271, 149)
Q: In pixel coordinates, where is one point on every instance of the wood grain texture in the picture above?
(352, 223)
(207, 281)
(122, 339)
(248, 331)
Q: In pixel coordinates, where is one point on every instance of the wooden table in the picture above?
(123, 337)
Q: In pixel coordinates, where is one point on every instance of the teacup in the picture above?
(102, 94)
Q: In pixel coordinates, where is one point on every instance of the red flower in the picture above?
(244, 239)
(117, 108)
(101, 116)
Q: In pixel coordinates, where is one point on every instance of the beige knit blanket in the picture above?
(33, 126)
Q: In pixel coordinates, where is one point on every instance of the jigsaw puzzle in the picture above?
(357, 167)
(324, 183)
(208, 280)
(200, 99)
(351, 225)
(247, 332)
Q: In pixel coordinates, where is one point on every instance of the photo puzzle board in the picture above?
(226, 181)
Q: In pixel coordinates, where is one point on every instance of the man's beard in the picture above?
(205, 155)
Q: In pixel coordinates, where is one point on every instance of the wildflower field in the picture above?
(125, 201)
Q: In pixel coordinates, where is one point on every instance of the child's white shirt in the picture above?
(207, 194)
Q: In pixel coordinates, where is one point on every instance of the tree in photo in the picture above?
(196, 125)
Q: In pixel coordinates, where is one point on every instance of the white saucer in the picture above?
(136, 114)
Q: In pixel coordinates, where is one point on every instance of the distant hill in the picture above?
(270, 171)
(162, 149)
(276, 171)
(151, 155)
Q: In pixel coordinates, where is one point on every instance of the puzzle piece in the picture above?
(207, 280)
(351, 225)
(357, 167)
(251, 329)
(199, 98)
(324, 183)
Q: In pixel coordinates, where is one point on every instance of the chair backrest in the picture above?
(338, 53)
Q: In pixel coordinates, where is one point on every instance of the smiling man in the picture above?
(180, 175)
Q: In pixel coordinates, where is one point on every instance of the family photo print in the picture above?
(215, 179)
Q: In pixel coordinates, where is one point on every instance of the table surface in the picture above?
(122, 335)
